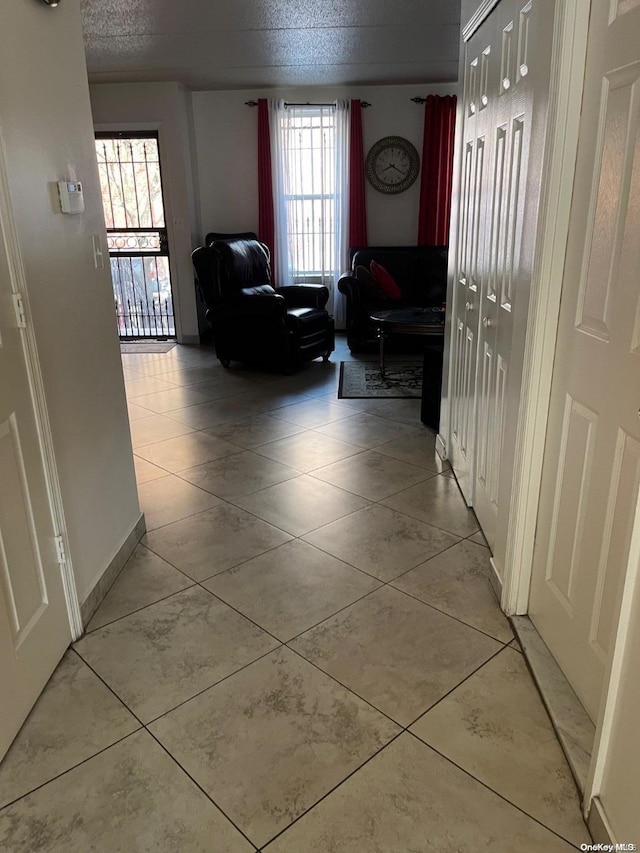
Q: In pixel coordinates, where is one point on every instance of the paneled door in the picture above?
(591, 472)
(470, 251)
(518, 75)
(506, 74)
(34, 623)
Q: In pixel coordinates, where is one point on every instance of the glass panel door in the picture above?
(131, 183)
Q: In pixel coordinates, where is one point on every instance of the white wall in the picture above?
(208, 147)
(46, 123)
(226, 143)
(165, 107)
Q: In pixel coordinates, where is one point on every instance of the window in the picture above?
(309, 146)
(308, 138)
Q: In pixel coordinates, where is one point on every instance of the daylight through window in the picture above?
(309, 165)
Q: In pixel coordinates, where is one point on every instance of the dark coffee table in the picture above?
(407, 321)
(418, 321)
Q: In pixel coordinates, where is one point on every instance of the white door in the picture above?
(506, 93)
(591, 471)
(510, 98)
(469, 252)
(34, 623)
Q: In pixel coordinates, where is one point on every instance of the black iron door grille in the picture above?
(131, 183)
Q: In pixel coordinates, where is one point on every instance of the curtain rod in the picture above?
(424, 100)
(308, 104)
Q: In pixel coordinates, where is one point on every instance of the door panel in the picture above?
(34, 623)
(506, 67)
(574, 473)
(496, 295)
(591, 471)
(20, 559)
(470, 255)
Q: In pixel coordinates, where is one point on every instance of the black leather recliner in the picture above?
(252, 321)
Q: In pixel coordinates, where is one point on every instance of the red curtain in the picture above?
(437, 170)
(266, 225)
(357, 208)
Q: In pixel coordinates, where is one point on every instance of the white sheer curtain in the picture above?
(310, 161)
(278, 118)
(341, 260)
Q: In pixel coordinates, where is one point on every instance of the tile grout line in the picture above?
(74, 766)
(197, 784)
(497, 793)
(285, 644)
(331, 791)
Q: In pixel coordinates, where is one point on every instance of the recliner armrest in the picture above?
(252, 305)
(304, 295)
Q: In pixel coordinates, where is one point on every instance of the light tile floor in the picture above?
(303, 654)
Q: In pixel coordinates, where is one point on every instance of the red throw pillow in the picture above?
(385, 281)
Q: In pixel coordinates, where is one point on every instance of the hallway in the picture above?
(303, 655)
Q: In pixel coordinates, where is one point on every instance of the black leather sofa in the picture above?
(420, 272)
(251, 321)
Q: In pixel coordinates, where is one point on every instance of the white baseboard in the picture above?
(495, 580)
(441, 447)
(598, 824)
(106, 580)
(575, 731)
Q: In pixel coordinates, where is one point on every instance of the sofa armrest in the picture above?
(364, 296)
(304, 295)
(350, 286)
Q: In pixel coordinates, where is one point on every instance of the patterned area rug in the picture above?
(362, 379)
(147, 346)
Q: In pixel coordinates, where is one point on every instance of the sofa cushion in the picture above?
(363, 274)
(385, 281)
(399, 261)
(370, 293)
(420, 271)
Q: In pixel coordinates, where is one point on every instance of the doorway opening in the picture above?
(134, 211)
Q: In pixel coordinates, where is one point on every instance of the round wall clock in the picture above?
(392, 164)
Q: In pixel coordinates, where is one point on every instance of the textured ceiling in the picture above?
(231, 44)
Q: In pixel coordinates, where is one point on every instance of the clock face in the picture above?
(392, 164)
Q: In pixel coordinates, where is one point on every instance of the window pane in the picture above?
(308, 135)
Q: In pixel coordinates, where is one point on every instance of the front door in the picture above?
(591, 471)
(34, 623)
(132, 198)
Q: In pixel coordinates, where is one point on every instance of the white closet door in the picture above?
(470, 253)
(505, 103)
(591, 472)
(505, 291)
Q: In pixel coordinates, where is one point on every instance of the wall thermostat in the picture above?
(71, 198)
